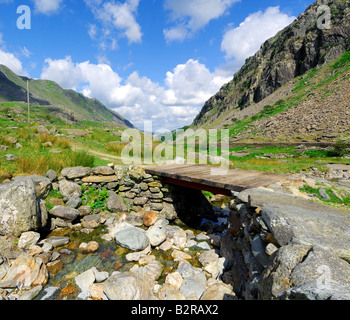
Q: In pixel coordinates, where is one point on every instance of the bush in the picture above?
(340, 148)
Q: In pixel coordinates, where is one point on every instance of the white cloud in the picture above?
(138, 98)
(190, 84)
(92, 31)
(190, 16)
(9, 60)
(47, 6)
(245, 40)
(119, 16)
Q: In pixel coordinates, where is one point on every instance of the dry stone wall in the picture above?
(279, 246)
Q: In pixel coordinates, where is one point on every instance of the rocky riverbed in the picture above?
(86, 254)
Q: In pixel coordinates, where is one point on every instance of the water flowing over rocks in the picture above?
(262, 243)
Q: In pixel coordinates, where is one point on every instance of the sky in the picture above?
(154, 60)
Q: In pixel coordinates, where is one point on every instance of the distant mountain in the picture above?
(67, 103)
(294, 51)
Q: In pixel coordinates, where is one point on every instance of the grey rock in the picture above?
(132, 238)
(42, 185)
(31, 294)
(194, 286)
(276, 277)
(259, 251)
(100, 276)
(156, 235)
(75, 172)
(129, 286)
(120, 171)
(27, 239)
(321, 265)
(115, 203)
(44, 216)
(85, 280)
(64, 213)
(74, 203)
(309, 223)
(324, 195)
(85, 210)
(10, 157)
(52, 175)
(49, 293)
(84, 295)
(57, 241)
(313, 290)
(69, 189)
(203, 245)
(202, 236)
(140, 201)
(103, 170)
(19, 209)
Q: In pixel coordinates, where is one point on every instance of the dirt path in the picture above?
(100, 155)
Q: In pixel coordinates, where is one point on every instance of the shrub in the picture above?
(340, 148)
(115, 147)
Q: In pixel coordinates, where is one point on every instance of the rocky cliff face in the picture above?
(301, 46)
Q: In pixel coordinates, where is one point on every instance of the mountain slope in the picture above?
(294, 51)
(69, 104)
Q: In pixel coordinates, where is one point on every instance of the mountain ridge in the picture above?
(68, 104)
(291, 53)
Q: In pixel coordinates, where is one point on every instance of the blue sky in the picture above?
(156, 60)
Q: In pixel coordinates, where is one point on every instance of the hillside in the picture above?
(273, 80)
(64, 104)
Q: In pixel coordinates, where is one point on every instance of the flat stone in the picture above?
(100, 179)
(66, 213)
(309, 223)
(132, 238)
(194, 287)
(31, 294)
(75, 172)
(103, 170)
(57, 241)
(85, 280)
(140, 201)
(24, 269)
(203, 245)
(180, 255)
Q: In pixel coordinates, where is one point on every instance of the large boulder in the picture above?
(132, 238)
(19, 208)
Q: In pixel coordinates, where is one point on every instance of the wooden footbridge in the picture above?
(214, 179)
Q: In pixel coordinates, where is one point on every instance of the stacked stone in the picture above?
(139, 189)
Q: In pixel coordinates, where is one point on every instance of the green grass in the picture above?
(314, 79)
(329, 191)
(95, 198)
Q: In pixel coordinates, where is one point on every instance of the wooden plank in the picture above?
(200, 177)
